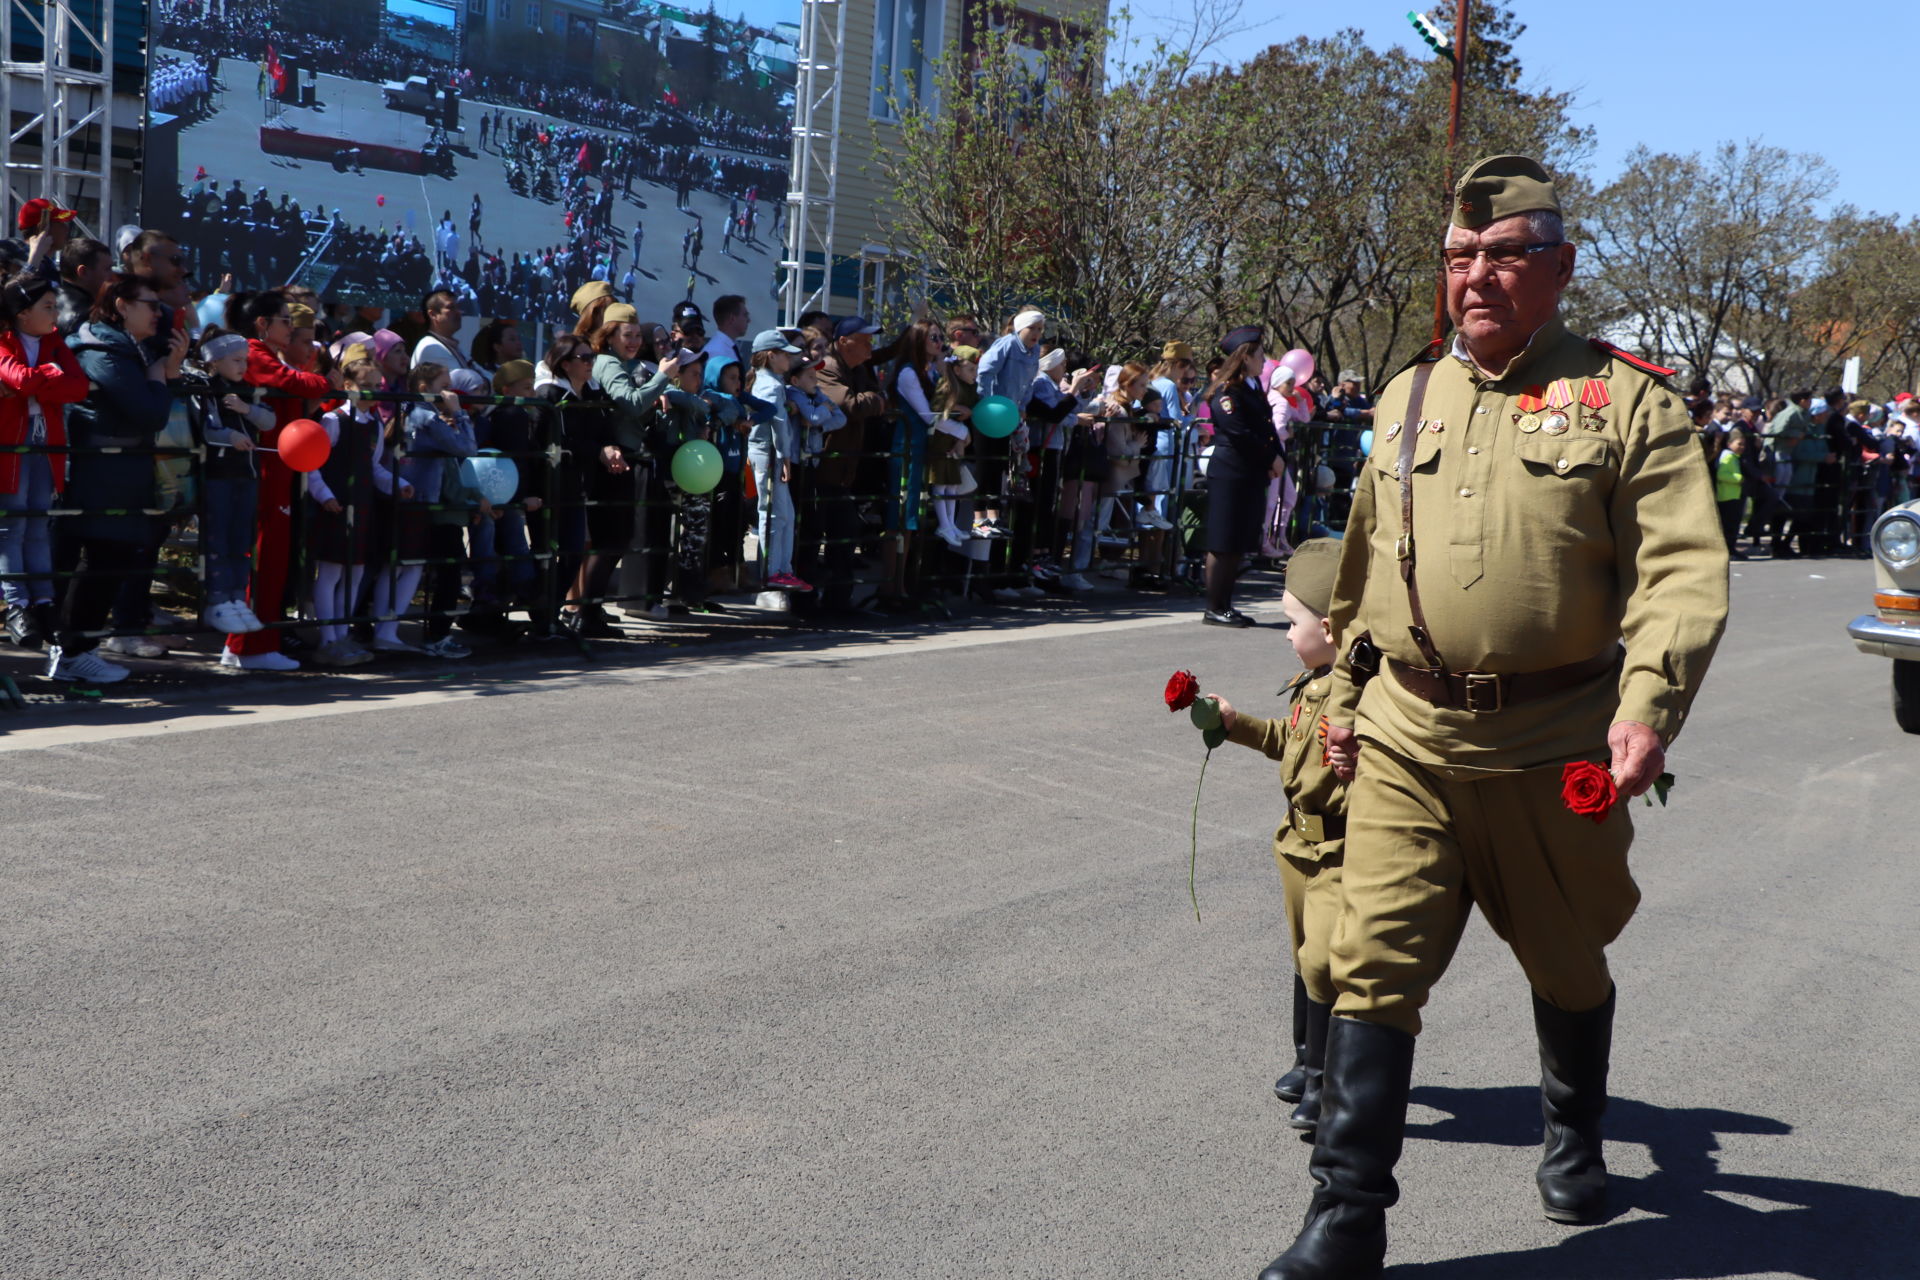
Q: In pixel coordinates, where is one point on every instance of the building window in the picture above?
(503, 10)
(906, 45)
(478, 8)
(533, 14)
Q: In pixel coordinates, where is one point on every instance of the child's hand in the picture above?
(331, 505)
(1226, 713)
(1343, 751)
(486, 510)
(406, 491)
(786, 472)
(234, 404)
(449, 403)
(243, 444)
(534, 504)
(615, 461)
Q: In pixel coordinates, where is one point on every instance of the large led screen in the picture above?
(507, 149)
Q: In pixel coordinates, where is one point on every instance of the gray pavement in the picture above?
(871, 957)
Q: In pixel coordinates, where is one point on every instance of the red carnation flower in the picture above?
(1182, 689)
(1587, 789)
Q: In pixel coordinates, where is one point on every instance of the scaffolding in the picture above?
(812, 191)
(64, 149)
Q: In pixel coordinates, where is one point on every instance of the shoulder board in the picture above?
(1426, 355)
(1297, 682)
(1644, 366)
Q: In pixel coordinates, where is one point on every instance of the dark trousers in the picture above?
(829, 527)
(1730, 519)
(99, 567)
(133, 594)
(447, 549)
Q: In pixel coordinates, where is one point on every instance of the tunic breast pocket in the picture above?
(1386, 455)
(1586, 461)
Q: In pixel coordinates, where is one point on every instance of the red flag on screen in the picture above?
(277, 70)
(581, 161)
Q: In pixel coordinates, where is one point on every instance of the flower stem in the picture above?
(1193, 846)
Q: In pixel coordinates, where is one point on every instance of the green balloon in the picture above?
(697, 467)
(996, 417)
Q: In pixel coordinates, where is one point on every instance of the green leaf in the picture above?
(1213, 737)
(1205, 712)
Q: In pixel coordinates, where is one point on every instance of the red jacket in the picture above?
(265, 369)
(54, 382)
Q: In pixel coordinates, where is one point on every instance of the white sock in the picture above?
(326, 600)
(393, 593)
(943, 512)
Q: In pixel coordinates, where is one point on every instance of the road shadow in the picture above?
(1706, 1223)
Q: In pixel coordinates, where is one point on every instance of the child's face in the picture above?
(1310, 634)
(440, 383)
(1737, 442)
(232, 366)
(966, 370)
(522, 387)
(808, 379)
(692, 376)
(730, 379)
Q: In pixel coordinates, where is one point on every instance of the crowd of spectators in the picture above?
(1806, 475)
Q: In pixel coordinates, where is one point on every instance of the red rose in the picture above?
(1182, 689)
(1587, 789)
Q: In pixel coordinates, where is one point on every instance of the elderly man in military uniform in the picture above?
(1532, 576)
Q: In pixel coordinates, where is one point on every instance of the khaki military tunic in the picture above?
(1539, 543)
(1308, 847)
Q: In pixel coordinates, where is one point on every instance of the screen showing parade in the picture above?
(508, 150)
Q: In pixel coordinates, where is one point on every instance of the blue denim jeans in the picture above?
(776, 514)
(226, 536)
(504, 535)
(26, 543)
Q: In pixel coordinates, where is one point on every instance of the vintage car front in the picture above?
(1892, 630)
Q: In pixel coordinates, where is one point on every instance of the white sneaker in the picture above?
(953, 537)
(88, 666)
(1032, 592)
(1074, 582)
(272, 660)
(354, 653)
(446, 647)
(134, 646)
(1153, 519)
(394, 644)
(231, 617)
(249, 617)
(1008, 595)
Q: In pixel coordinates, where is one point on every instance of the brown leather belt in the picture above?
(1482, 692)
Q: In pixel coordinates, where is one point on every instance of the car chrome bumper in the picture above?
(1873, 634)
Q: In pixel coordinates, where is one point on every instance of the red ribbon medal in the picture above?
(1560, 394)
(1594, 394)
(1532, 401)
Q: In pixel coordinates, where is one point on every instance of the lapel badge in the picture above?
(1393, 432)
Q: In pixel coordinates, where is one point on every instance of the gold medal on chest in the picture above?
(1529, 422)
(1393, 432)
(1555, 424)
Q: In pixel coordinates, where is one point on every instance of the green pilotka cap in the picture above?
(1311, 571)
(1499, 187)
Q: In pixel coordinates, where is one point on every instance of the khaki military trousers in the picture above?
(1313, 908)
(1424, 848)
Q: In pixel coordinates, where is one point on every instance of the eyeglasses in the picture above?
(1501, 257)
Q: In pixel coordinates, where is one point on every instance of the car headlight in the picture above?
(1897, 541)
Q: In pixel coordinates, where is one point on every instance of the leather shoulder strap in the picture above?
(1415, 424)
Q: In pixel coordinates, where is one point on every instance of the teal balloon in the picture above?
(1366, 441)
(697, 467)
(996, 417)
(493, 477)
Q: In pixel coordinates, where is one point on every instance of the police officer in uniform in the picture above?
(1533, 569)
(1246, 456)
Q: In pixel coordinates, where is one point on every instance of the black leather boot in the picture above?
(1314, 1062)
(1574, 1048)
(1290, 1087)
(1363, 1117)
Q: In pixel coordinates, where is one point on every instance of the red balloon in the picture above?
(380, 201)
(303, 445)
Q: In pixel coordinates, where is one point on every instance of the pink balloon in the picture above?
(1300, 360)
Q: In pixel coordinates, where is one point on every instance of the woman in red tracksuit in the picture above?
(288, 392)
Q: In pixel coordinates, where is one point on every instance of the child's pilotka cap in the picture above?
(1311, 572)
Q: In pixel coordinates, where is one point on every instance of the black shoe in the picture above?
(1231, 618)
(1574, 1049)
(709, 607)
(1306, 1116)
(292, 642)
(1292, 1086)
(20, 628)
(1363, 1120)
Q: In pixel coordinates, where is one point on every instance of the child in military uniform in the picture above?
(1309, 847)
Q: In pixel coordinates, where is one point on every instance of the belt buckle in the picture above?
(1403, 546)
(1483, 693)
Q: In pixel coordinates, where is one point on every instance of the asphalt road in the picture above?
(874, 959)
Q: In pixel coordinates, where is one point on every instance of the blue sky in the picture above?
(1682, 75)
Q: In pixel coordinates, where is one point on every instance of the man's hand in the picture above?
(1638, 757)
(1343, 751)
(1226, 713)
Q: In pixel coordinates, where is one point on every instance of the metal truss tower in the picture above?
(813, 189)
(63, 150)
